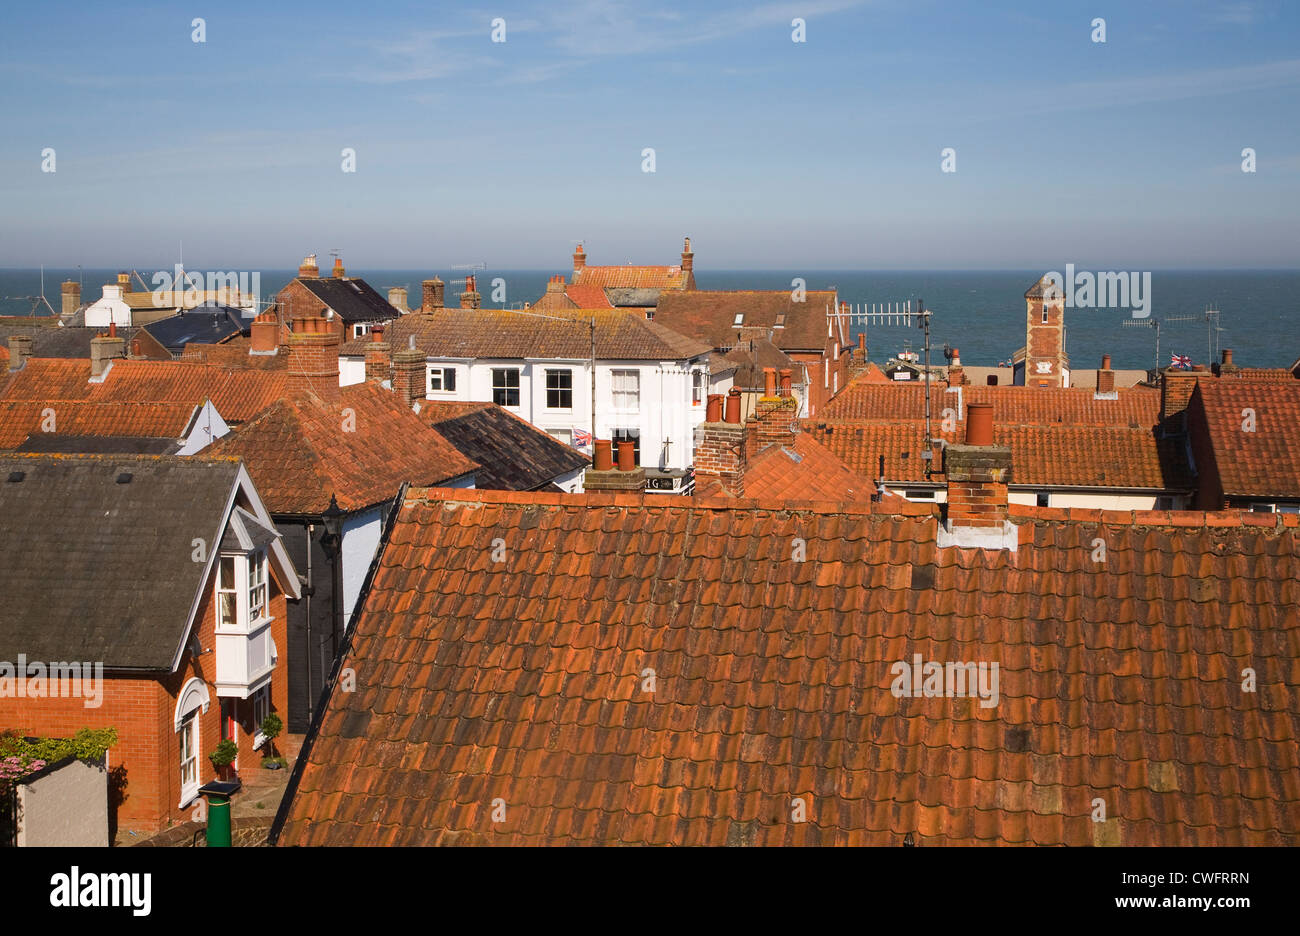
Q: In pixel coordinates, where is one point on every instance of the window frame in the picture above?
(501, 392)
(189, 734)
(699, 387)
(617, 395)
(444, 385)
(558, 373)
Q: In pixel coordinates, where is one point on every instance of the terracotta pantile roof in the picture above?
(632, 277)
(1265, 462)
(645, 670)
(862, 398)
(575, 297)
(805, 470)
(21, 418)
(711, 316)
(234, 353)
(497, 333)
(1048, 456)
(302, 450)
(238, 394)
(873, 374)
(512, 454)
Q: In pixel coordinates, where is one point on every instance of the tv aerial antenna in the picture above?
(36, 301)
(1212, 329)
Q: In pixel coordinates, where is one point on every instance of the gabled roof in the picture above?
(711, 316)
(301, 451)
(633, 277)
(1264, 462)
(1108, 457)
(802, 470)
(22, 418)
(234, 352)
(498, 333)
(575, 297)
(237, 393)
(525, 681)
(512, 455)
(97, 553)
(352, 299)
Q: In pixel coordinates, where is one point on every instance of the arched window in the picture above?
(193, 700)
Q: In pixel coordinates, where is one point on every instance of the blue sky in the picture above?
(769, 153)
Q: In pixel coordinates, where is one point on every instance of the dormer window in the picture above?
(245, 650)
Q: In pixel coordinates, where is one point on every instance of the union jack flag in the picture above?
(1181, 361)
(581, 438)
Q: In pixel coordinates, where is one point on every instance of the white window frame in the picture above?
(505, 388)
(442, 373)
(252, 576)
(189, 735)
(192, 701)
(257, 583)
(261, 700)
(699, 387)
(546, 388)
(228, 594)
(620, 397)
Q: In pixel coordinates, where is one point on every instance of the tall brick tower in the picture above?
(1045, 363)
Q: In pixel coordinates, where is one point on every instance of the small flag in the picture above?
(581, 438)
(1181, 361)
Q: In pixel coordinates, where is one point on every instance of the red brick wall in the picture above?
(1044, 342)
(143, 712)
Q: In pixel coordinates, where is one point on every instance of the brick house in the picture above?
(167, 572)
(350, 304)
(804, 328)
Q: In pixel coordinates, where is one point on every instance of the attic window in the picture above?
(124, 478)
(16, 476)
(740, 319)
(780, 320)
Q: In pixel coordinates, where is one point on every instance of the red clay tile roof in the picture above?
(238, 394)
(302, 450)
(234, 353)
(805, 470)
(525, 683)
(498, 333)
(575, 297)
(1052, 456)
(873, 374)
(710, 316)
(21, 418)
(862, 398)
(1265, 462)
(633, 277)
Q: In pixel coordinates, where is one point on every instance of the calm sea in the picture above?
(982, 313)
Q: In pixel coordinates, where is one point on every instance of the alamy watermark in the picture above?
(1110, 290)
(247, 285)
(38, 680)
(945, 680)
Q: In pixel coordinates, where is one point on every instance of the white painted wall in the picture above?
(352, 370)
(1098, 501)
(109, 309)
(207, 429)
(360, 541)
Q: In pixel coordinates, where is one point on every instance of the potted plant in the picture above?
(223, 757)
(271, 728)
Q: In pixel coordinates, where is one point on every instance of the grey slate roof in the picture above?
(65, 342)
(513, 455)
(352, 299)
(206, 324)
(99, 445)
(94, 569)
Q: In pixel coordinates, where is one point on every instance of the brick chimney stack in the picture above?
(1176, 388)
(124, 280)
(397, 299)
(555, 284)
(720, 450)
(1105, 380)
(20, 349)
(71, 291)
(104, 349)
(379, 363)
(409, 369)
(978, 473)
(956, 373)
(688, 257)
(432, 292)
(579, 259)
(339, 272)
(775, 418)
(470, 299)
(314, 357)
(264, 334)
(308, 268)
(607, 475)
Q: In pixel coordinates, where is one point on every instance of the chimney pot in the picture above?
(1105, 362)
(338, 268)
(733, 407)
(713, 408)
(769, 381)
(786, 380)
(626, 456)
(979, 423)
(604, 455)
(1227, 355)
